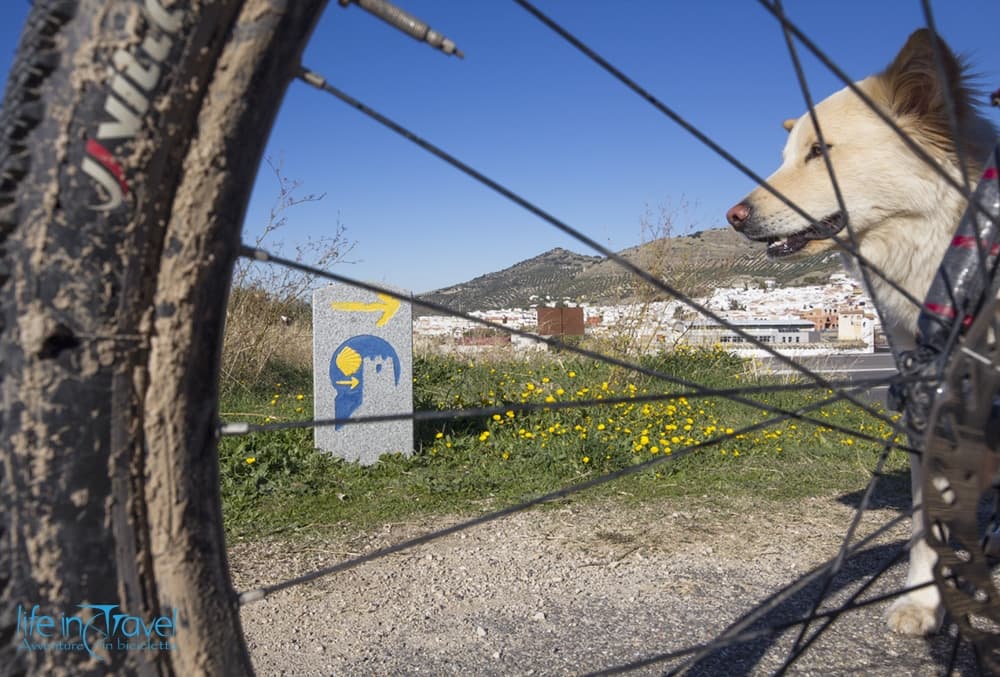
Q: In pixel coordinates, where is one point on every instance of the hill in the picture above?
(553, 274)
(694, 264)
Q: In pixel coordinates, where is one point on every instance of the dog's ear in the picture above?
(916, 83)
(789, 123)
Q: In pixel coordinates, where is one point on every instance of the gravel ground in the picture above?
(575, 589)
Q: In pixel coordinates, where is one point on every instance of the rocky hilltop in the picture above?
(694, 264)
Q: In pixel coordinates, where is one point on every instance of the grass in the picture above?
(276, 482)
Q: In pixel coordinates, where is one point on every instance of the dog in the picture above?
(902, 213)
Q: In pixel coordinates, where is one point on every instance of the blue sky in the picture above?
(534, 114)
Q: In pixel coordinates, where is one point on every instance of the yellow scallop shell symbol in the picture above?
(348, 361)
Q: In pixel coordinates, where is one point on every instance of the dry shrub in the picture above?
(269, 319)
(635, 333)
(263, 331)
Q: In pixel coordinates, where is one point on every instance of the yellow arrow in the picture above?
(386, 304)
(353, 382)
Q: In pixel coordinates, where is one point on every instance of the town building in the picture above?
(780, 332)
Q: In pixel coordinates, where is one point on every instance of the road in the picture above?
(854, 368)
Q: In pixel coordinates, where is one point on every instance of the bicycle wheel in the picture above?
(122, 197)
(131, 136)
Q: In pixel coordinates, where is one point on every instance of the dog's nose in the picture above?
(738, 215)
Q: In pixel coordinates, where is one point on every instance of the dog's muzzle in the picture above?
(741, 218)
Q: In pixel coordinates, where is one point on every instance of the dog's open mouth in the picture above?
(823, 229)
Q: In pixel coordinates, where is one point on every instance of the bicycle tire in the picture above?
(131, 134)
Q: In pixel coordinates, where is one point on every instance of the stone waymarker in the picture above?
(362, 366)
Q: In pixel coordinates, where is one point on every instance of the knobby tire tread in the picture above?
(103, 502)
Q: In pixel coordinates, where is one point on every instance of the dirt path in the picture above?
(570, 590)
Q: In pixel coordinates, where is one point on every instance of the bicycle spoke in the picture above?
(827, 619)
(319, 82)
(953, 657)
(915, 148)
(260, 593)
(824, 149)
(264, 256)
(798, 647)
(778, 598)
(706, 140)
(953, 124)
(740, 631)
(243, 427)
(832, 568)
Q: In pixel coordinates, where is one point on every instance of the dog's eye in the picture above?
(816, 151)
